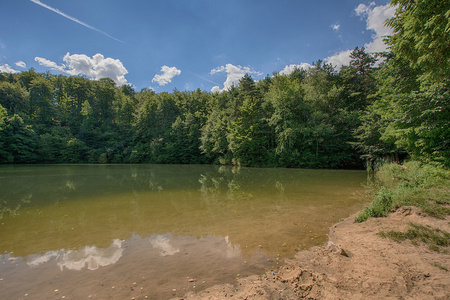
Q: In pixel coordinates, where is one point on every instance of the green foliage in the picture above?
(13, 97)
(295, 120)
(74, 151)
(379, 207)
(422, 126)
(421, 31)
(41, 108)
(19, 142)
(411, 110)
(413, 184)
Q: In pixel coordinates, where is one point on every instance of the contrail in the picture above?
(205, 79)
(74, 19)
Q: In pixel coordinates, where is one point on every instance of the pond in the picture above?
(123, 231)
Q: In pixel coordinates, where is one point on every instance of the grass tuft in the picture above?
(435, 238)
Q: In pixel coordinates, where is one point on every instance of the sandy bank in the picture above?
(356, 263)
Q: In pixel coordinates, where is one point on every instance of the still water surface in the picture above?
(122, 231)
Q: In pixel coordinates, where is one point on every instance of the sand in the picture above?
(356, 263)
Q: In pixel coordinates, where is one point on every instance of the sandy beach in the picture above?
(356, 263)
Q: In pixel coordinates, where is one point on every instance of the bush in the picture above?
(414, 184)
(379, 207)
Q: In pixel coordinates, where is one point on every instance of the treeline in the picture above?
(315, 118)
(304, 119)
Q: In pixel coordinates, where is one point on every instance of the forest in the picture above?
(381, 107)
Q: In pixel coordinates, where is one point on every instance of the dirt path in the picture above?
(356, 263)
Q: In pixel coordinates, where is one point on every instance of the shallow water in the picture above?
(122, 231)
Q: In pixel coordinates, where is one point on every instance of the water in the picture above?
(122, 231)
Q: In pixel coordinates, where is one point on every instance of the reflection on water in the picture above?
(89, 257)
(162, 243)
(159, 264)
(208, 221)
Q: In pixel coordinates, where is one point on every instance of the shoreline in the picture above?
(355, 263)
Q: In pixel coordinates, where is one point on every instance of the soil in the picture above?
(356, 263)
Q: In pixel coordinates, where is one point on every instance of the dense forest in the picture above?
(383, 106)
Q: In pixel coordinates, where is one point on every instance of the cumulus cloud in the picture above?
(363, 9)
(49, 64)
(21, 64)
(168, 73)
(94, 67)
(375, 17)
(340, 59)
(7, 69)
(335, 27)
(234, 74)
(291, 68)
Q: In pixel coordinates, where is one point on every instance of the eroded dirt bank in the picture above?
(356, 263)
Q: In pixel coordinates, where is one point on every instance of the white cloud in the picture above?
(335, 27)
(21, 64)
(49, 64)
(7, 69)
(291, 68)
(234, 74)
(340, 59)
(217, 89)
(167, 74)
(217, 70)
(96, 67)
(375, 17)
(362, 9)
(375, 22)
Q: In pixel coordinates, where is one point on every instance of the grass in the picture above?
(435, 238)
(414, 184)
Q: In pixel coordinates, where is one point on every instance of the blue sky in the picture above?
(185, 44)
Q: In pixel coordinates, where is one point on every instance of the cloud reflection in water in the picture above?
(162, 243)
(92, 257)
(89, 257)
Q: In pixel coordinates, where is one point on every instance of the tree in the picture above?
(421, 35)
(247, 136)
(289, 114)
(42, 109)
(5, 156)
(358, 78)
(214, 133)
(19, 142)
(78, 90)
(13, 98)
(420, 109)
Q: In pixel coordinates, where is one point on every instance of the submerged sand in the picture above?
(356, 263)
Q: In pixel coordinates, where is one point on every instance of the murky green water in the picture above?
(122, 231)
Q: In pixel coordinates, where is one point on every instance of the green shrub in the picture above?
(379, 207)
(413, 184)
